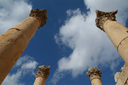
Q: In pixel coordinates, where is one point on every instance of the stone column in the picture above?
(15, 40)
(94, 75)
(117, 33)
(41, 75)
(121, 78)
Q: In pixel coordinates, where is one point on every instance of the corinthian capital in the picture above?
(93, 73)
(41, 15)
(43, 71)
(102, 17)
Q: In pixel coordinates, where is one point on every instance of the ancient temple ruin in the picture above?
(15, 40)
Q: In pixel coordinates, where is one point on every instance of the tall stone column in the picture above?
(117, 33)
(41, 75)
(94, 75)
(15, 40)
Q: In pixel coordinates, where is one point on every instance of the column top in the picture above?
(93, 73)
(43, 71)
(102, 17)
(41, 15)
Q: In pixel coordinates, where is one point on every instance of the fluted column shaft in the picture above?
(15, 40)
(116, 32)
(94, 75)
(41, 75)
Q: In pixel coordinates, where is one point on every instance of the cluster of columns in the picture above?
(15, 40)
(118, 34)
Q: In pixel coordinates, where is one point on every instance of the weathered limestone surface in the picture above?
(41, 75)
(117, 33)
(121, 78)
(94, 75)
(15, 40)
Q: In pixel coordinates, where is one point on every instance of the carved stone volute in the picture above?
(41, 15)
(93, 73)
(102, 17)
(43, 71)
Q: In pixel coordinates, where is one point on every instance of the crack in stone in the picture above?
(16, 29)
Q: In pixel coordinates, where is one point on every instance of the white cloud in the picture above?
(109, 5)
(25, 65)
(56, 77)
(13, 79)
(24, 59)
(91, 46)
(12, 12)
(29, 65)
(27, 62)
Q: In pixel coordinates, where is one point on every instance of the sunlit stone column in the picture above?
(41, 75)
(121, 78)
(15, 40)
(94, 75)
(117, 33)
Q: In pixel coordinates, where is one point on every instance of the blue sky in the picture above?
(69, 41)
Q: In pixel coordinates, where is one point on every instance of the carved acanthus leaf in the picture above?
(93, 73)
(102, 17)
(43, 71)
(41, 15)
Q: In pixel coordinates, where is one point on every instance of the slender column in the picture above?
(41, 75)
(94, 75)
(15, 40)
(117, 33)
